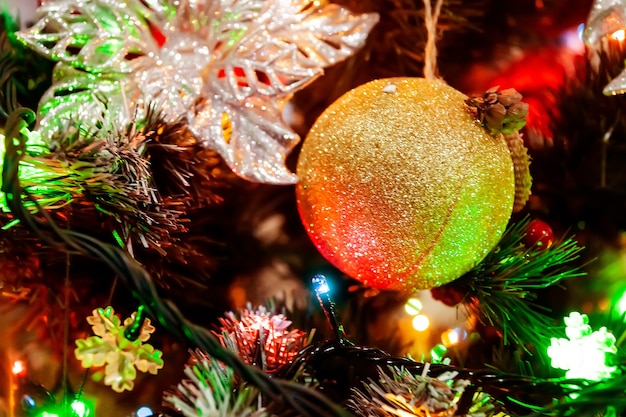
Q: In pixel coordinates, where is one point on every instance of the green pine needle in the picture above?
(213, 390)
(104, 170)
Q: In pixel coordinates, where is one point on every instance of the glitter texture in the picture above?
(403, 190)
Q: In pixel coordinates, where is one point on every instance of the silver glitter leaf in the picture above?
(616, 86)
(229, 64)
(605, 18)
(256, 141)
(283, 47)
(78, 98)
(167, 82)
(96, 35)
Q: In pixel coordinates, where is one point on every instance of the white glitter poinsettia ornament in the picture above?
(225, 66)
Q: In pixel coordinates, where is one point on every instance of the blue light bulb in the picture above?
(144, 411)
(320, 284)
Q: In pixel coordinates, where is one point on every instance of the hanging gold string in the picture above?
(430, 53)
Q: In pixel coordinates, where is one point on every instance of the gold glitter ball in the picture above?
(400, 188)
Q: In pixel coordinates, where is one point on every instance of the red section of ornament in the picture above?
(539, 234)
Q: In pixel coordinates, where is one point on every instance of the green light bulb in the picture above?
(438, 353)
(80, 409)
(585, 353)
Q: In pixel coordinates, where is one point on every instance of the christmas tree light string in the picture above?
(500, 289)
(340, 368)
(133, 331)
(506, 389)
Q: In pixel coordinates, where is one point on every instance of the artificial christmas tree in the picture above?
(149, 158)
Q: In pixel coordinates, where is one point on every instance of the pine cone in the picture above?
(521, 167)
(499, 111)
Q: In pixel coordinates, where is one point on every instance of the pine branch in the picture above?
(502, 287)
(604, 398)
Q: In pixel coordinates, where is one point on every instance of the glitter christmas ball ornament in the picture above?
(400, 188)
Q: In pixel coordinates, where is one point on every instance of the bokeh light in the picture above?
(18, 368)
(421, 323)
(453, 337)
(144, 411)
(413, 306)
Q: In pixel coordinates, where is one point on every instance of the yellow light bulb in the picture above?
(421, 323)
